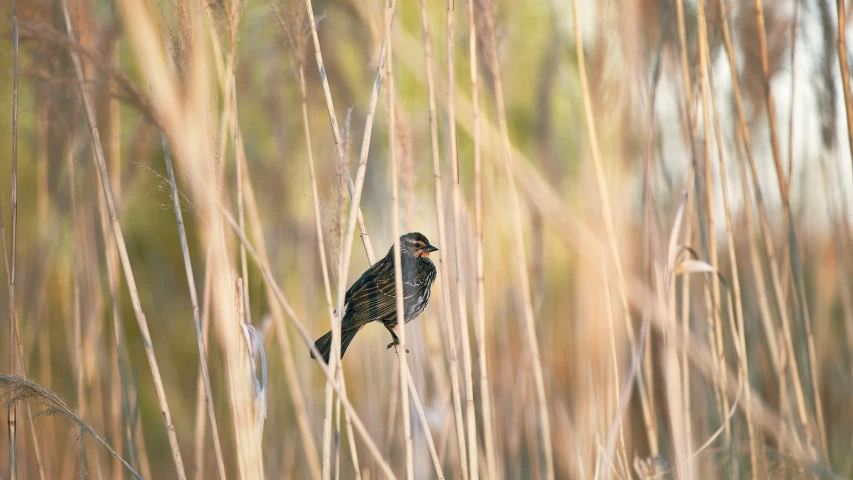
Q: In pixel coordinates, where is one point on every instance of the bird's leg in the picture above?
(395, 338)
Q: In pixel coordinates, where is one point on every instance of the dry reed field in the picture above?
(642, 209)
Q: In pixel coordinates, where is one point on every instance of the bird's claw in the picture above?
(394, 343)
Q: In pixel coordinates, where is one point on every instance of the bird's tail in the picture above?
(324, 343)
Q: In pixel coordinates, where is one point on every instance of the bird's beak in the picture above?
(430, 248)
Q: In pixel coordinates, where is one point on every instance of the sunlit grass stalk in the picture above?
(796, 270)
(320, 241)
(77, 354)
(518, 238)
(200, 340)
(201, 397)
(122, 249)
(15, 346)
(845, 71)
(443, 266)
(704, 204)
(462, 303)
(776, 278)
(395, 222)
(716, 300)
(480, 318)
(336, 132)
(13, 322)
(291, 377)
(709, 106)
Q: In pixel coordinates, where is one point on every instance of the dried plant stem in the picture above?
(13, 318)
(395, 222)
(447, 307)
(202, 348)
(293, 385)
(520, 255)
(480, 320)
(470, 413)
(303, 333)
(743, 364)
(339, 144)
(200, 396)
(845, 70)
(15, 345)
(321, 246)
(793, 255)
(77, 354)
(122, 249)
(765, 230)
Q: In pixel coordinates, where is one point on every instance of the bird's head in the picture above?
(416, 245)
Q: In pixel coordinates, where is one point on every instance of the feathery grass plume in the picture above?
(16, 390)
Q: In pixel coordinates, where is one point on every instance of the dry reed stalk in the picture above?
(715, 299)
(395, 226)
(113, 282)
(796, 270)
(480, 318)
(462, 303)
(845, 70)
(15, 344)
(303, 333)
(765, 230)
(241, 214)
(355, 192)
(706, 230)
(277, 315)
(200, 396)
(604, 199)
(302, 422)
(339, 144)
(111, 258)
(611, 330)
(122, 249)
(321, 246)
(685, 318)
(520, 255)
(794, 25)
(200, 337)
(13, 322)
(447, 306)
(77, 335)
(708, 103)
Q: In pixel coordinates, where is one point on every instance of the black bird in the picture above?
(372, 298)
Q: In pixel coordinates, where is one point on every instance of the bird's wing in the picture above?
(373, 296)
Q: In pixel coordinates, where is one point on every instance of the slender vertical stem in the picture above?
(13, 333)
(520, 253)
(202, 349)
(77, 355)
(395, 222)
(743, 364)
(480, 320)
(776, 278)
(447, 307)
(122, 249)
(799, 289)
(321, 245)
(339, 146)
(473, 456)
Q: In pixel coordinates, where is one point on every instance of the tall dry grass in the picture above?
(655, 286)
